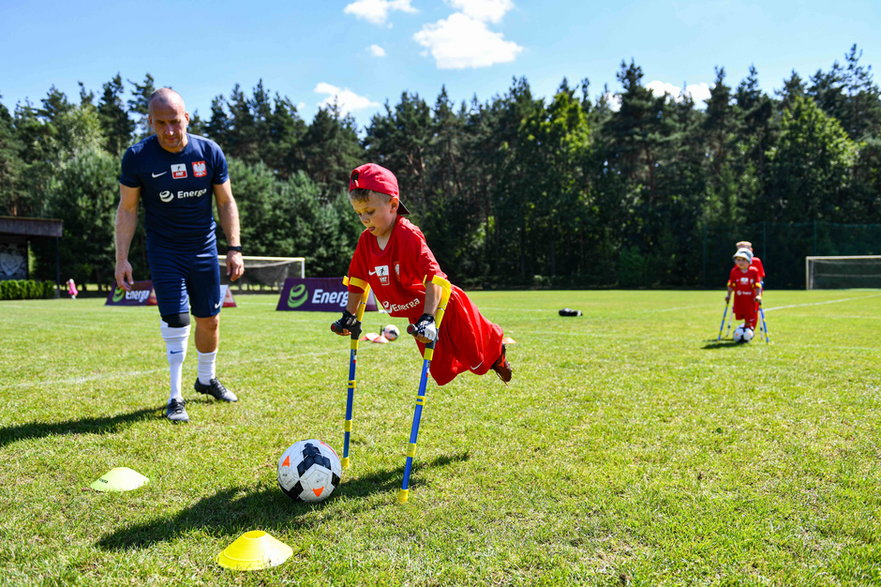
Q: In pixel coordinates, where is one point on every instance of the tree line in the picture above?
(622, 189)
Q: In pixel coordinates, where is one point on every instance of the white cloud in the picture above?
(483, 10)
(376, 51)
(613, 100)
(347, 100)
(698, 92)
(377, 11)
(461, 41)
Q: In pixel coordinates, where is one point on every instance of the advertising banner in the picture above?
(142, 295)
(317, 294)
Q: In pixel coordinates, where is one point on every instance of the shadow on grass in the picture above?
(101, 425)
(237, 510)
(720, 344)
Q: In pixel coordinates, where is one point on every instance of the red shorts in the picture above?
(746, 309)
(467, 341)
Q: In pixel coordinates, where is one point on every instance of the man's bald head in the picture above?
(166, 98)
(167, 116)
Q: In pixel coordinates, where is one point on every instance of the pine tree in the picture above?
(115, 122)
(10, 165)
(139, 104)
(811, 164)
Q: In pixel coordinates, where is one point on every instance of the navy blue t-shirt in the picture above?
(176, 189)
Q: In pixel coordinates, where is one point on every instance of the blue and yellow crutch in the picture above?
(722, 325)
(353, 362)
(765, 325)
(404, 493)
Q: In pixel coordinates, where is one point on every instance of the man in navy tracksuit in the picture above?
(175, 175)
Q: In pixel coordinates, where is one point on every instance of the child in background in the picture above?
(744, 282)
(756, 262)
(393, 257)
(71, 289)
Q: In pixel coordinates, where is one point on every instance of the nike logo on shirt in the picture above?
(158, 174)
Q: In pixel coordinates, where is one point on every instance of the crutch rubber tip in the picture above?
(345, 461)
(403, 495)
(411, 328)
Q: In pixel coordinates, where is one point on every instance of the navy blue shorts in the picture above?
(186, 281)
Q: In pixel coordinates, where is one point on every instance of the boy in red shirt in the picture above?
(744, 281)
(393, 257)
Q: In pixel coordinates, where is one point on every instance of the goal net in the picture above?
(264, 273)
(845, 272)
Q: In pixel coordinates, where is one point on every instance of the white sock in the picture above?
(175, 351)
(206, 367)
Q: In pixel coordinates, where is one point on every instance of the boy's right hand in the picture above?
(727, 298)
(348, 324)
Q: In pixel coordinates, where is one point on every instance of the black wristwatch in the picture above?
(234, 248)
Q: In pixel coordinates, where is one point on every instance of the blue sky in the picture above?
(364, 53)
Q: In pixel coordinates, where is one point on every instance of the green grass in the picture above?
(630, 448)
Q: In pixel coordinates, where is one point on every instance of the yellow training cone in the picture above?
(119, 479)
(254, 550)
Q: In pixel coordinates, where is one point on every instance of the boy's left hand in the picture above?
(759, 300)
(425, 330)
(347, 325)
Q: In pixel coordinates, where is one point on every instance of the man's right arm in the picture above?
(126, 223)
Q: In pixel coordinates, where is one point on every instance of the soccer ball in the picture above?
(743, 334)
(309, 470)
(391, 332)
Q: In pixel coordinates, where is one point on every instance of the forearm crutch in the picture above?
(765, 326)
(722, 325)
(353, 363)
(404, 493)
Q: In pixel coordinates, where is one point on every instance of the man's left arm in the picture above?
(228, 214)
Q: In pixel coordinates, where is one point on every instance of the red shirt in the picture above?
(757, 263)
(396, 273)
(744, 284)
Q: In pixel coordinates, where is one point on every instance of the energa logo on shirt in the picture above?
(167, 196)
(390, 307)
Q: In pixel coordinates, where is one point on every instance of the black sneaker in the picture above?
(176, 412)
(216, 390)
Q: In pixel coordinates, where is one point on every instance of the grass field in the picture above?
(630, 448)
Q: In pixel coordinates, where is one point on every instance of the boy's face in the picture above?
(377, 213)
(741, 263)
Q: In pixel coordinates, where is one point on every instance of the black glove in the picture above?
(424, 330)
(348, 324)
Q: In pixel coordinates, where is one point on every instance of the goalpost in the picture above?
(265, 273)
(843, 272)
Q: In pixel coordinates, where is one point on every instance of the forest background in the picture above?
(624, 189)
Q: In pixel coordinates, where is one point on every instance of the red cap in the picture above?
(376, 178)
